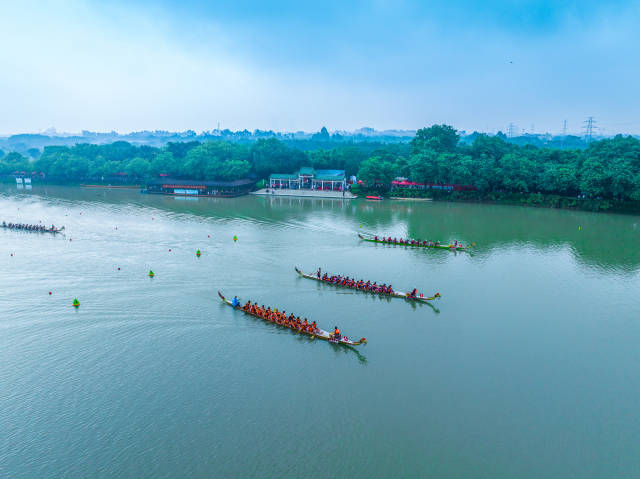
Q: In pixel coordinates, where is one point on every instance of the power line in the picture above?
(511, 132)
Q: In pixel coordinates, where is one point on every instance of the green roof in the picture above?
(306, 170)
(283, 176)
(329, 178)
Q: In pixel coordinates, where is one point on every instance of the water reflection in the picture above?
(598, 240)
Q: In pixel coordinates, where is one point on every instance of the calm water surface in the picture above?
(531, 367)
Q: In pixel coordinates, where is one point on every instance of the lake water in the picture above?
(530, 368)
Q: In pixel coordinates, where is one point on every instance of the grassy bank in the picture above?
(521, 199)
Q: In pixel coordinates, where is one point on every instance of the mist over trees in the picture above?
(608, 168)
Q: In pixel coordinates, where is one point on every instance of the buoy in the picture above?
(198, 253)
(116, 227)
(70, 239)
(11, 254)
(76, 303)
(235, 238)
(118, 269)
(49, 293)
(208, 236)
(152, 219)
(169, 249)
(151, 274)
(579, 228)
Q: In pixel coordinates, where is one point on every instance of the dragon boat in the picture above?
(33, 230)
(417, 243)
(319, 333)
(395, 294)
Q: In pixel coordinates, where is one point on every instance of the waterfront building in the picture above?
(225, 189)
(310, 178)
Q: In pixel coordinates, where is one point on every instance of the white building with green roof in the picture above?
(309, 178)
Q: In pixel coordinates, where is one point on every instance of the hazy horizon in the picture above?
(284, 66)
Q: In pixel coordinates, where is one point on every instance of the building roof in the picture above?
(174, 182)
(339, 173)
(283, 176)
(328, 178)
(307, 171)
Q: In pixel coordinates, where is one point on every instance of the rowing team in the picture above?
(412, 242)
(275, 316)
(27, 227)
(281, 318)
(366, 286)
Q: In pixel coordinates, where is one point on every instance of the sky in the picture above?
(290, 65)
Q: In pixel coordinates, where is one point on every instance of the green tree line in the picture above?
(608, 169)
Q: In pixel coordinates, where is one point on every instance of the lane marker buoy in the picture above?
(198, 253)
(235, 238)
(151, 274)
(76, 303)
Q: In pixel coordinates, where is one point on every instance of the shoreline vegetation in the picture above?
(603, 176)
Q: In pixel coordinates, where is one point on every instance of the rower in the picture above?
(319, 273)
(413, 293)
(235, 302)
(336, 334)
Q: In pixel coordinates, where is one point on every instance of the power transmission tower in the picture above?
(512, 130)
(564, 134)
(590, 125)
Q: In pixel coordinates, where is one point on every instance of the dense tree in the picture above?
(607, 169)
(376, 170)
(439, 138)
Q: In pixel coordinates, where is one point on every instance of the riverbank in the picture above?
(346, 195)
(538, 200)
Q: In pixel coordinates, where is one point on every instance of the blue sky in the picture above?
(291, 65)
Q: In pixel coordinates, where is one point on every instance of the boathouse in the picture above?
(309, 178)
(224, 189)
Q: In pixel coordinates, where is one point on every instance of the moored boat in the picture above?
(318, 333)
(394, 294)
(375, 198)
(416, 243)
